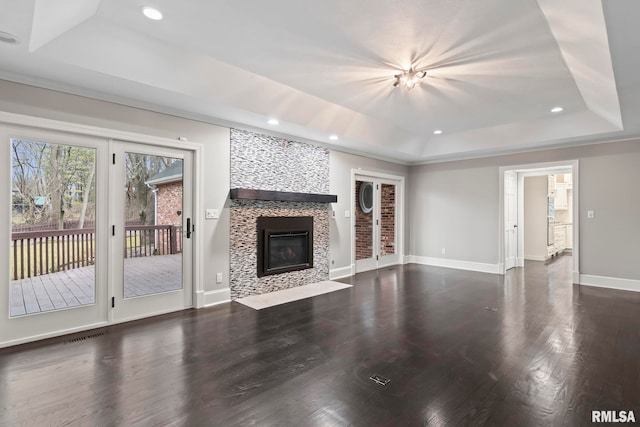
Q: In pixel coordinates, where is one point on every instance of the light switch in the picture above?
(211, 214)
(347, 214)
(590, 214)
(218, 277)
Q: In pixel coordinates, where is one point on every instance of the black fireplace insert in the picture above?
(284, 244)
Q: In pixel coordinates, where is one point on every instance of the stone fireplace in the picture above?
(280, 214)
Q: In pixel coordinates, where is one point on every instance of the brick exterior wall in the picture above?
(364, 228)
(387, 219)
(169, 197)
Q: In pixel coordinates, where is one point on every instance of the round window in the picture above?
(366, 197)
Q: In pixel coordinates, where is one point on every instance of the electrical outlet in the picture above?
(218, 277)
(444, 251)
(590, 214)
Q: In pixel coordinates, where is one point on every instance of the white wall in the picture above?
(535, 217)
(455, 204)
(340, 166)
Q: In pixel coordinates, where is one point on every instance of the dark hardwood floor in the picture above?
(549, 355)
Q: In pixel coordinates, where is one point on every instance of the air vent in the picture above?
(85, 337)
(379, 379)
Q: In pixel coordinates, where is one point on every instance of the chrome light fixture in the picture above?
(409, 78)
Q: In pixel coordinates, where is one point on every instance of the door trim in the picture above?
(526, 169)
(400, 182)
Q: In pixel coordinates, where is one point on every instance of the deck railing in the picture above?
(47, 251)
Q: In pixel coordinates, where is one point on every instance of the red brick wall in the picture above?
(364, 229)
(387, 219)
(169, 199)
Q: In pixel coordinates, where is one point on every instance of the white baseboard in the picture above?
(339, 273)
(406, 259)
(535, 258)
(519, 262)
(454, 263)
(610, 282)
(576, 277)
(207, 299)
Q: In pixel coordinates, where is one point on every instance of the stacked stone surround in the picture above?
(263, 162)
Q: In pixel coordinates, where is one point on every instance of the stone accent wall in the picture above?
(264, 162)
(364, 228)
(387, 219)
(244, 260)
(169, 197)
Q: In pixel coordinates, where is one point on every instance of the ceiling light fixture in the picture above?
(152, 13)
(333, 137)
(557, 109)
(437, 132)
(8, 38)
(409, 78)
(273, 122)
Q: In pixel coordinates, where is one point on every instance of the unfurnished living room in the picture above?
(336, 213)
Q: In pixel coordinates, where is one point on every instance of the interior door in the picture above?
(53, 270)
(152, 230)
(510, 219)
(376, 223)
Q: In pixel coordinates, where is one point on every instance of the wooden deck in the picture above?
(72, 288)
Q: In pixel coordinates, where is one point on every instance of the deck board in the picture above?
(73, 288)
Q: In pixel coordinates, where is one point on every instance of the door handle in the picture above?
(188, 228)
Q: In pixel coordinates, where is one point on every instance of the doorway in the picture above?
(377, 219)
(512, 183)
(99, 232)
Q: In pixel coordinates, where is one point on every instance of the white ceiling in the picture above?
(496, 67)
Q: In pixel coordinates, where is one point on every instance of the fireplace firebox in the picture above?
(284, 244)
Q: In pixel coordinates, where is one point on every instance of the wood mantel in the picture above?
(281, 196)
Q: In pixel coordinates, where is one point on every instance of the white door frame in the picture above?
(399, 181)
(41, 124)
(530, 170)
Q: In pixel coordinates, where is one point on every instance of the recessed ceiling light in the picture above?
(437, 132)
(152, 13)
(556, 109)
(333, 137)
(273, 122)
(8, 38)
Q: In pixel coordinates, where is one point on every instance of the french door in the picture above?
(151, 230)
(54, 278)
(96, 232)
(376, 223)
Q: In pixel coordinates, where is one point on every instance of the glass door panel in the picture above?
(365, 210)
(53, 208)
(153, 224)
(387, 232)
